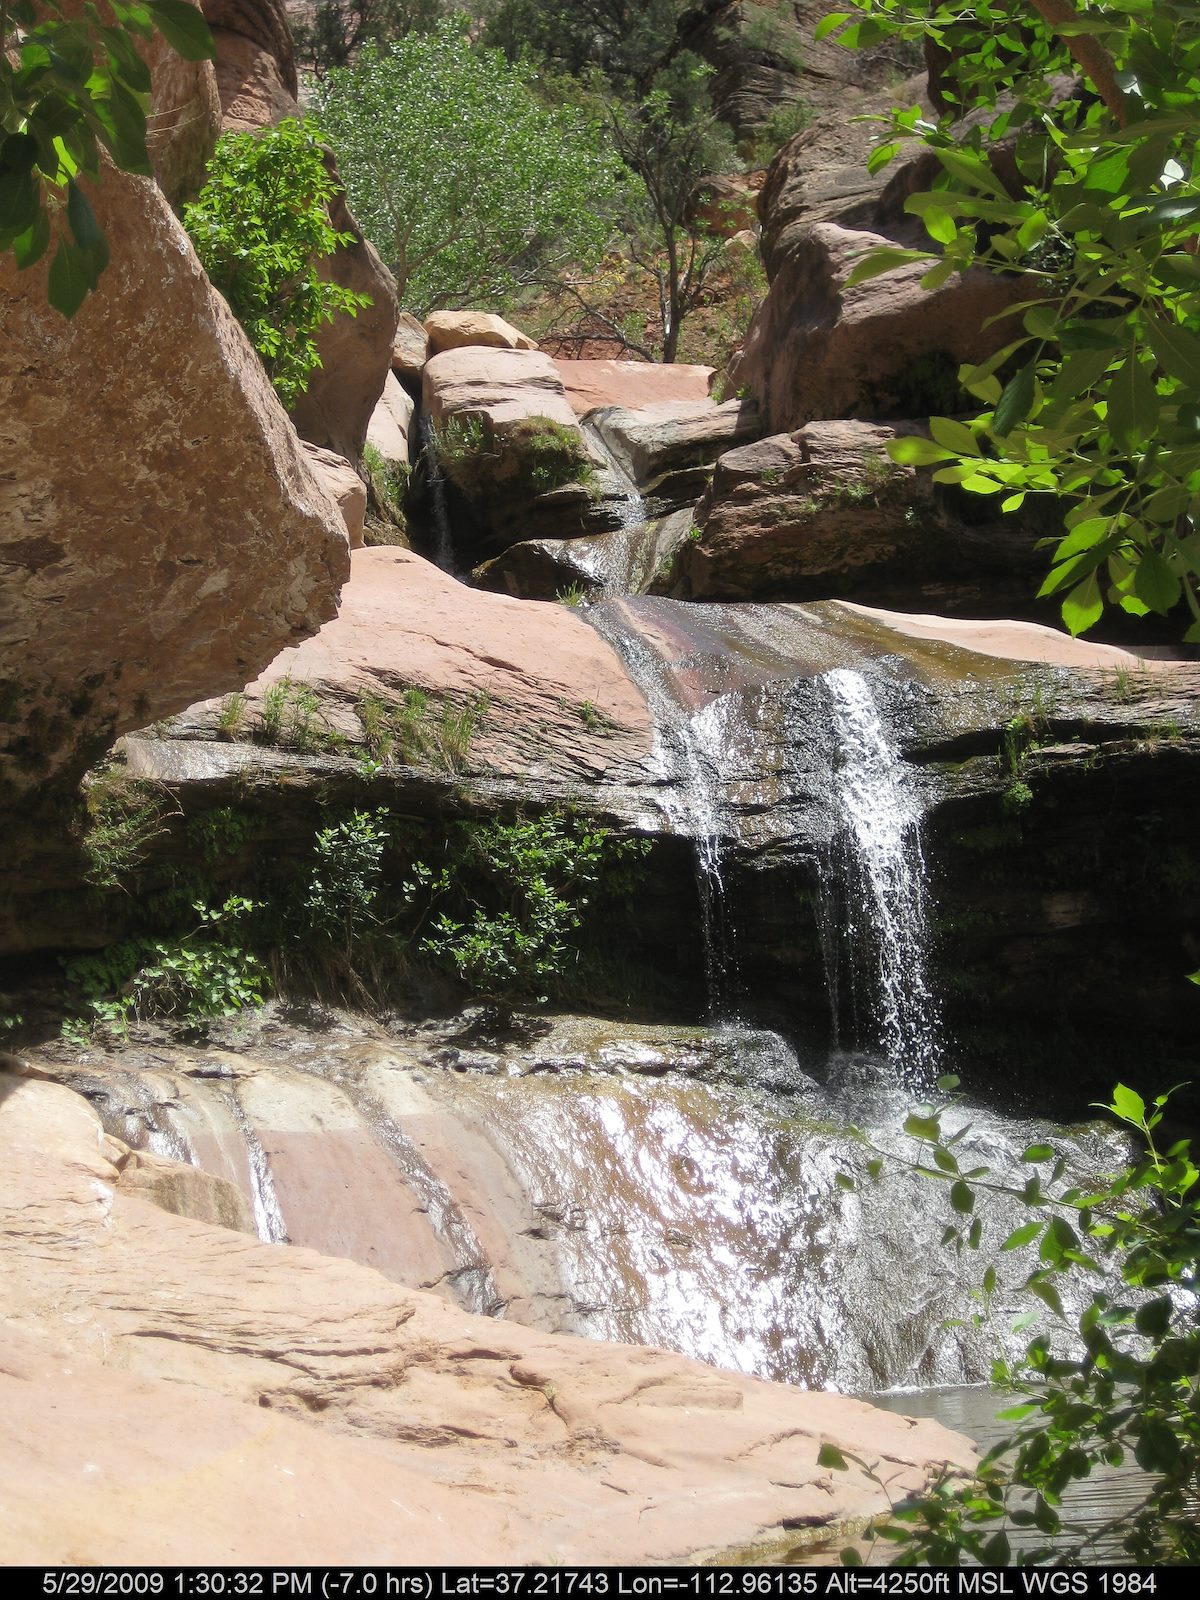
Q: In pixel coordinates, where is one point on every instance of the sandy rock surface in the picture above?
(391, 423)
(503, 385)
(173, 1390)
(632, 384)
(346, 487)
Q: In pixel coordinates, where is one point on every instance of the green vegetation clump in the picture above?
(415, 729)
(504, 908)
(260, 225)
(530, 457)
(291, 717)
(122, 818)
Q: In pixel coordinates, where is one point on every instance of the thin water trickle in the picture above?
(443, 537)
(268, 1217)
(877, 880)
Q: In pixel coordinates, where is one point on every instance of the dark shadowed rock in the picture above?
(825, 514)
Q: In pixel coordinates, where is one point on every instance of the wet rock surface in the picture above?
(374, 1393)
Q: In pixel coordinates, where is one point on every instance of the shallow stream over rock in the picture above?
(677, 1188)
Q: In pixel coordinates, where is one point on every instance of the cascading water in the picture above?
(879, 881)
(443, 538)
(688, 757)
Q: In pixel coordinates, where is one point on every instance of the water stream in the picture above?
(443, 537)
(874, 885)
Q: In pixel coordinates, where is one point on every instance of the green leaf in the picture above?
(1083, 606)
(1176, 349)
(962, 1197)
(184, 28)
(954, 436)
(1128, 1105)
(1016, 402)
(886, 258)
(70, 279)
(88, 234)
(32, 245)
(829, 23)
(1037, 1152)
(918, 1127)
(1155, 584)
(976, 172)
(914, 451)
(1132, 403)
(830, 1456)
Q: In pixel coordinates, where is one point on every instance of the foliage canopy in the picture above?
(260, 225)
(72, 86)
(465, 181)
(1077, 168)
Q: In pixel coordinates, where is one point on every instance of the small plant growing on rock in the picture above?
(122, 818)
(531, 457)
(232, 716)
(291, 717)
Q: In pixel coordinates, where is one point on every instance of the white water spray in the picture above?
(884, 921)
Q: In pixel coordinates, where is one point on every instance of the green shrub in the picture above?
(520, 891)
(195, 978)
(260, 225)
(122, 818)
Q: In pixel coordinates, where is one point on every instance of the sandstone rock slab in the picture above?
(346, 487)
(632, 384)
(457, 330)
(825, 514)
(392, 422)
(351, 1401)
(503, 385)
(673, 436)
(181, 537)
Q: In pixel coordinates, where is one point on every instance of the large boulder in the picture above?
(825, 514)
(633, 384)
(346, 487)
(391, 423)
(456, 330)
(886, 348)
(501, 385)
(255, 61)
(178, 538)
(667, 448)
(410, 349)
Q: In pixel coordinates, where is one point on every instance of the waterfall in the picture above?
(690, 750)
(882, 887)
(630, 511)
(443, 539)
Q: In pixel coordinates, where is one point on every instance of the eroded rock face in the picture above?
(825, 514)
(376, 1398)
(184, 119)
(178, 538)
